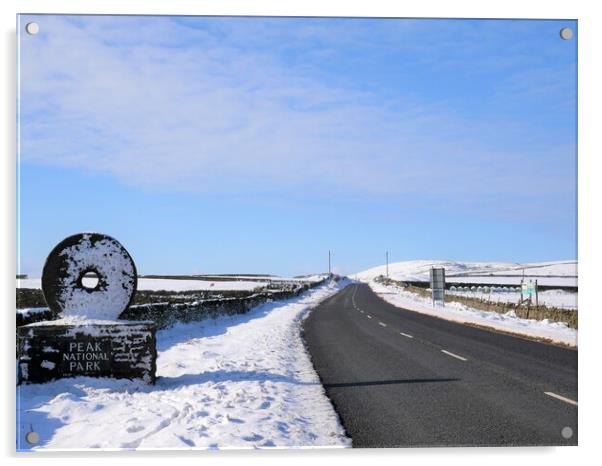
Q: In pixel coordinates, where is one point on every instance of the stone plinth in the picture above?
(56, 349)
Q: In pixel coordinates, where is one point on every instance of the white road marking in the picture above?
(368, 316)
(454, 355)
(406, 335)
(382, 324)
(562, 398)
(361, 311)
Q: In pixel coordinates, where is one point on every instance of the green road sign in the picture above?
(528, 289)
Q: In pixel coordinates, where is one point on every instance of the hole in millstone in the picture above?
(90, 280)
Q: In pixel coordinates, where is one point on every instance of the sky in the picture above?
(256, 145)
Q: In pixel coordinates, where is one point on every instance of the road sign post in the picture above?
(527, 291)
(438, 284)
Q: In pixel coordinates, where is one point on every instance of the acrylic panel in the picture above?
(277, 232)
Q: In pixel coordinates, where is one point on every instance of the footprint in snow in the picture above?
(228, 418)
(283, 427)
(187, 441)
(132, 429)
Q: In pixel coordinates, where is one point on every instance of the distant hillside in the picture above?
(555, 273)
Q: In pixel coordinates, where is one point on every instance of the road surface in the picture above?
(399, 378)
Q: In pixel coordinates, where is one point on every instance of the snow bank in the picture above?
(555, 331)
(242, 381)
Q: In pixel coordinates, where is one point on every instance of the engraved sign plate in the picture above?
(119, 350)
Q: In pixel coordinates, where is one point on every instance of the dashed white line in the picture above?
(561, 398)
(407, 335)
(382, 324)
(368, 316)
(361, 311)
(454, 355)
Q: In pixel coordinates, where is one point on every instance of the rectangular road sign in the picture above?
(438, 284)
(528, 288)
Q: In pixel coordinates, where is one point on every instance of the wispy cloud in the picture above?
(251, 106)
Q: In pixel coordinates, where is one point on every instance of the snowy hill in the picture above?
(557, 273)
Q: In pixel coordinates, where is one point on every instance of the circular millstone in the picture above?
(83, 258)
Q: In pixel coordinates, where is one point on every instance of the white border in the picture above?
(590, 233)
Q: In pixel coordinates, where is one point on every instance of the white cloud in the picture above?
(159, 104)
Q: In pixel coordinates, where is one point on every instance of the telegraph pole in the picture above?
(387, 264)
(329, 273)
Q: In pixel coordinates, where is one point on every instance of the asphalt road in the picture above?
(399, 378)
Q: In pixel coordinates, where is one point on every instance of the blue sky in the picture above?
(257, 144)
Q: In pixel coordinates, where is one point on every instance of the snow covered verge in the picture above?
(557, 332)
(243, 381)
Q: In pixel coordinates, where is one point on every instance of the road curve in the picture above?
(398, 378)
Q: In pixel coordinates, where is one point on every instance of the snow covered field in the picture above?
(554, 298)
(559, 273)
(555, 331)
(156, 284)
(172, 284)
(234, 382)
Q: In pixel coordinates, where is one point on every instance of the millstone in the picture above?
(95, 256)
